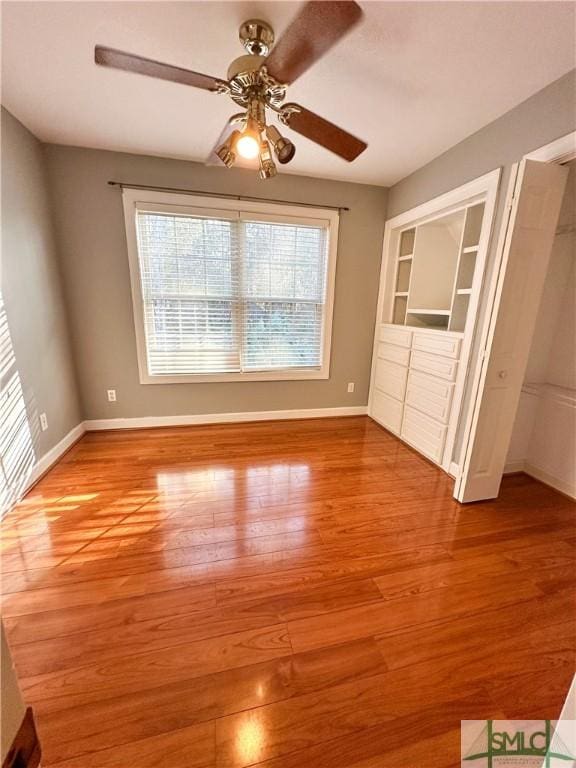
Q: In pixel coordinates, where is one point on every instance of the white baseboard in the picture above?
(43, 464)
(146, 422)
(514, 466)
(560, 485)
(539, 474)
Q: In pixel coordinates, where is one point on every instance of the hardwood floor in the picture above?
(300, 594)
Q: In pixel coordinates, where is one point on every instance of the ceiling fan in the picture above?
(258, 80)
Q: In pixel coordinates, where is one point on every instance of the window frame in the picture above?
(171, 202)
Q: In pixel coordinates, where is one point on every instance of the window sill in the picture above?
(291, 375)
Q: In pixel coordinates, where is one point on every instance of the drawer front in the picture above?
(387, 411)
(425, 434)
(399, 336)
(430, 395)
(436, 344)
(443, 367)
(395, 354)
(391, 378)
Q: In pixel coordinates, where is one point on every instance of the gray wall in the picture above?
(90, 229)
(31, 288)
(546, 116)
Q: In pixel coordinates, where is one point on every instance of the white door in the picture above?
(525, 256)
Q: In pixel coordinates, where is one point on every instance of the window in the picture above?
(17, 457)
(239, 292)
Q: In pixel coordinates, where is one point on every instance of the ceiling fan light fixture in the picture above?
(226, 152)
(247, 144)
(267, 167)
(247, 147)
(284, 149)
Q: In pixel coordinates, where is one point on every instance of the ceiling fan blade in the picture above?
(318, 26)
(110, 57)
(322, 132)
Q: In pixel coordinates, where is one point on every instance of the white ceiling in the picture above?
(413, 80)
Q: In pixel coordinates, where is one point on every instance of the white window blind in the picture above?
(189, 274)
(231, 292)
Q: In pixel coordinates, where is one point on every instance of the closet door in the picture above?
(525, 256)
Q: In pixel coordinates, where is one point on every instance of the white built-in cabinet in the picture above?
(432, 274)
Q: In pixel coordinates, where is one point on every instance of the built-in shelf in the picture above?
(428, 319)
(434, 270)
(428, 311)
(407, 239)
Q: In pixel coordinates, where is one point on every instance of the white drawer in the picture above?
(391, 378)
(424, 433)
(387, 411)
(399, 336)
(430, 395)
(436, 344)
(395, 354)
(443, 367)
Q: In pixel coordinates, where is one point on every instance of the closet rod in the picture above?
(125, 185)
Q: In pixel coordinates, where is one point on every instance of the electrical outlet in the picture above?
(350, 386)
(111, 395)
(43, 422)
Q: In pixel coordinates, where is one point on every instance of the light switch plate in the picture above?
(43, 422)
(111, 395)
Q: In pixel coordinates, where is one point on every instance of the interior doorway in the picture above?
(543, 442)
(525, 247)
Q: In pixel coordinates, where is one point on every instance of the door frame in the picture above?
(559, 151)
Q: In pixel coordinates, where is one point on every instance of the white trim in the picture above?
(53, 455)
(147, 422)
(539, 474)
(560, 151)
(136, 199)
(444, 204)
(290, 374)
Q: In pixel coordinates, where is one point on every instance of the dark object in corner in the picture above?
(25, 751)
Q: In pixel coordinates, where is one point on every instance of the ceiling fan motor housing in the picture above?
(245, 75)
(257, 37)
(245, 65)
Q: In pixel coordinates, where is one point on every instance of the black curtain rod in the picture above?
(124, 185)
